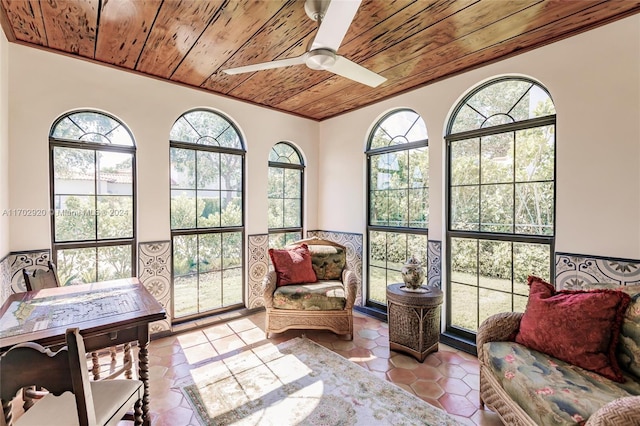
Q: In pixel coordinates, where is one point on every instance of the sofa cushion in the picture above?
(551, 391)
(580, 327)
(293, 265)
(629, 341)
(321, 296)
(327, 261)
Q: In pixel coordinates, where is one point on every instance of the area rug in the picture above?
(301, 383)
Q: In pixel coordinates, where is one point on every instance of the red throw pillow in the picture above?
(579, 327)
(293, 266)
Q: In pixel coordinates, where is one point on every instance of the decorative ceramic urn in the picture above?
(412, 273)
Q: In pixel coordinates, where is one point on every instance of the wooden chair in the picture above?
(40, 279)
(73, 399)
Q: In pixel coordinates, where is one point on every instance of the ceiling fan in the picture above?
(334, 18)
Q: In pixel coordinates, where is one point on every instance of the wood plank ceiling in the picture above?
(190, 42)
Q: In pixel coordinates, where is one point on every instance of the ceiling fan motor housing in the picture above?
(320, 59)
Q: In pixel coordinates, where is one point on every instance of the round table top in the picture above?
(431, 297)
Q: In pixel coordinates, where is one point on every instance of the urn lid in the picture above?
(412, 261)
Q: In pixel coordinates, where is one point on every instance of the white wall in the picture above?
(4, 146)
(44, 85)
(594, 80)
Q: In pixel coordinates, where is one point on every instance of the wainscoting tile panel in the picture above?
(5, 279)
(258, 267)
(353, 243)
(434, 262)
(154, 272)
(35, 259)
(577, 271)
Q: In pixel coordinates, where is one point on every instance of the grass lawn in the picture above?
(493, 295)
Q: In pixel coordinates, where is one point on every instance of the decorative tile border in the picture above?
(258, 268)
(434, 262)
(353, 243)
(154, 272)
(5, 279)
(34, 259)
(577, 271)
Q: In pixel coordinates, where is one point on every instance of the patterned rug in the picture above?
(301, 383)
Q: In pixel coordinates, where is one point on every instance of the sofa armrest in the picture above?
(497, 328)
(350, 283)
(268, 287)
(622, 411)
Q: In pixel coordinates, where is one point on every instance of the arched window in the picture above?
(92, 157)
(501, 199)
(207, 214)
(286, 172)
(398, 199)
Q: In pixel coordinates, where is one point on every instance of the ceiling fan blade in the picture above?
(334, 25)
(355, 72)
(298, 60)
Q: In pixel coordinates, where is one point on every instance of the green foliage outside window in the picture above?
(501, 182)
(398, 185)
(207, 176)
(284, 189)
(93, 199)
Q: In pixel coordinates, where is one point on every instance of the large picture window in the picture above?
(501, 209)
(92, 157)
(398, 201)
(207, 214)
(286, 172)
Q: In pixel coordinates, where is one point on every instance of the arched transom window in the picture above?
(207, 214)
(398, 199)
(501, 190)
(92, 197)
(286, 174)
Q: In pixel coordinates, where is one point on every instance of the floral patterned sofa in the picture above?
(315, 290)
(528, 387)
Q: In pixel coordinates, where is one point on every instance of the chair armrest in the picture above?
(622, 411)
(497, 328)
(350, 282)
(268, 287)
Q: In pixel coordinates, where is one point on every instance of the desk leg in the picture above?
(143, 370)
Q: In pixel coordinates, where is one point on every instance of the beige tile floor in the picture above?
(447, 379)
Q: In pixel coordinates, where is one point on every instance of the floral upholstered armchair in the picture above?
(310, 287)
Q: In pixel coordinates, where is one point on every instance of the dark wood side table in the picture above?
(414, 320)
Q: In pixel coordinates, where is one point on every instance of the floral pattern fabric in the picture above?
(629, 340)
(320, 296)
(550, 391)
(327, 261)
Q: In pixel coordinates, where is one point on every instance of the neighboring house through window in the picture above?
(501, 200)
(398, 199)
(92, 157)
(207, 214)
(286, 173)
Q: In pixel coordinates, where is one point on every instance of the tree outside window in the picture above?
(285, 183)
(501, 180)
(207, 219)
(398, 200)
(92, 197)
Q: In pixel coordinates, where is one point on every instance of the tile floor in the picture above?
(447, 379)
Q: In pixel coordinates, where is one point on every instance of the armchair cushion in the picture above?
(579, 327)
(320, 296)
(549, 390)
(293, 266)
(327, 261)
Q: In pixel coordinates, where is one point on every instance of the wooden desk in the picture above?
(107, 313)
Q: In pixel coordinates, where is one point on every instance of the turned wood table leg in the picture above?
(143, 370)
(96, 365)
(127, 360)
